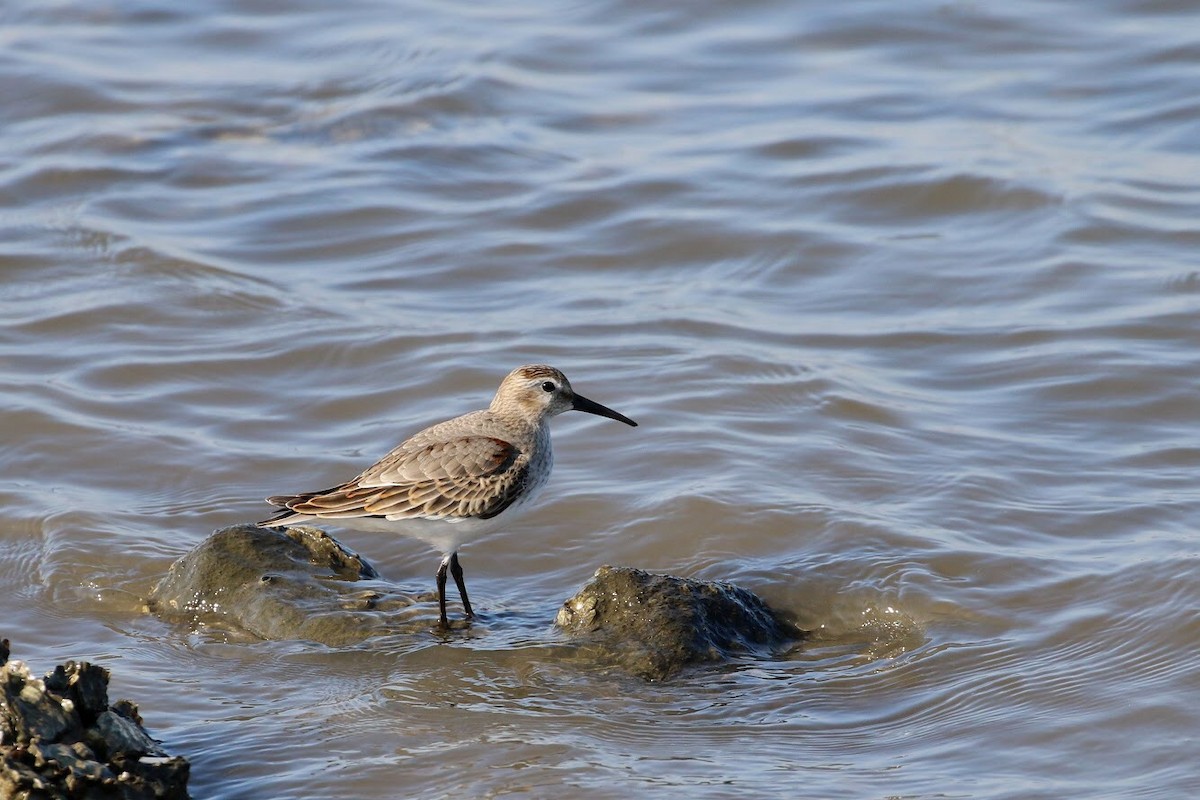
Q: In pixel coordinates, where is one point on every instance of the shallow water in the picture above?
(903, 297)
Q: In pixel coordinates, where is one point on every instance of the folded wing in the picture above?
(464, 477)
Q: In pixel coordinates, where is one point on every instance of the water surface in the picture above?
(903, 297)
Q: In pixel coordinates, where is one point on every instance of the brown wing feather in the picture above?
(474, 476)
(463, 457)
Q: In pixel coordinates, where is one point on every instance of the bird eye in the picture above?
(548, 386)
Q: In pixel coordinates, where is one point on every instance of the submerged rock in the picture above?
(299, 583)
(654, 625)
(59, 738)
(295, 583)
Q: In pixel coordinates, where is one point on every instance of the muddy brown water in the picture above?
(903, 296)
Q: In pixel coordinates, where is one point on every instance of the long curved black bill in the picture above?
(581, 403)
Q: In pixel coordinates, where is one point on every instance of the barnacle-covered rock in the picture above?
(655, 625)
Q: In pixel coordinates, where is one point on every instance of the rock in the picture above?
(86, 685)
(83, 765)
(155, 776)
(127, 709)
(29, 711)
(299, 583)
(20, 780)
(295, 583)
(45, 731)
(123, 736)
(655, 625)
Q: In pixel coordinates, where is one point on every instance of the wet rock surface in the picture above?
(299, 583)
(59, 738)
(294, 583)
(655, 625)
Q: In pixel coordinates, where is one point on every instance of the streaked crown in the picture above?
(535, 392)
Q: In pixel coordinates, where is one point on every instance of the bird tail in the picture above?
(284, 516)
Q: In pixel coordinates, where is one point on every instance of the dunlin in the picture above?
(458, 480)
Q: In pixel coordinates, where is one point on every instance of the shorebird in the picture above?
(457, 480)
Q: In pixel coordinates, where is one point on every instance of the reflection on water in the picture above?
(904, 302)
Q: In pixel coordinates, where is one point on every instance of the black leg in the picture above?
(456, 571)
(443, 622)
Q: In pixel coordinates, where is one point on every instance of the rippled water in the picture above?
(904, 296)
